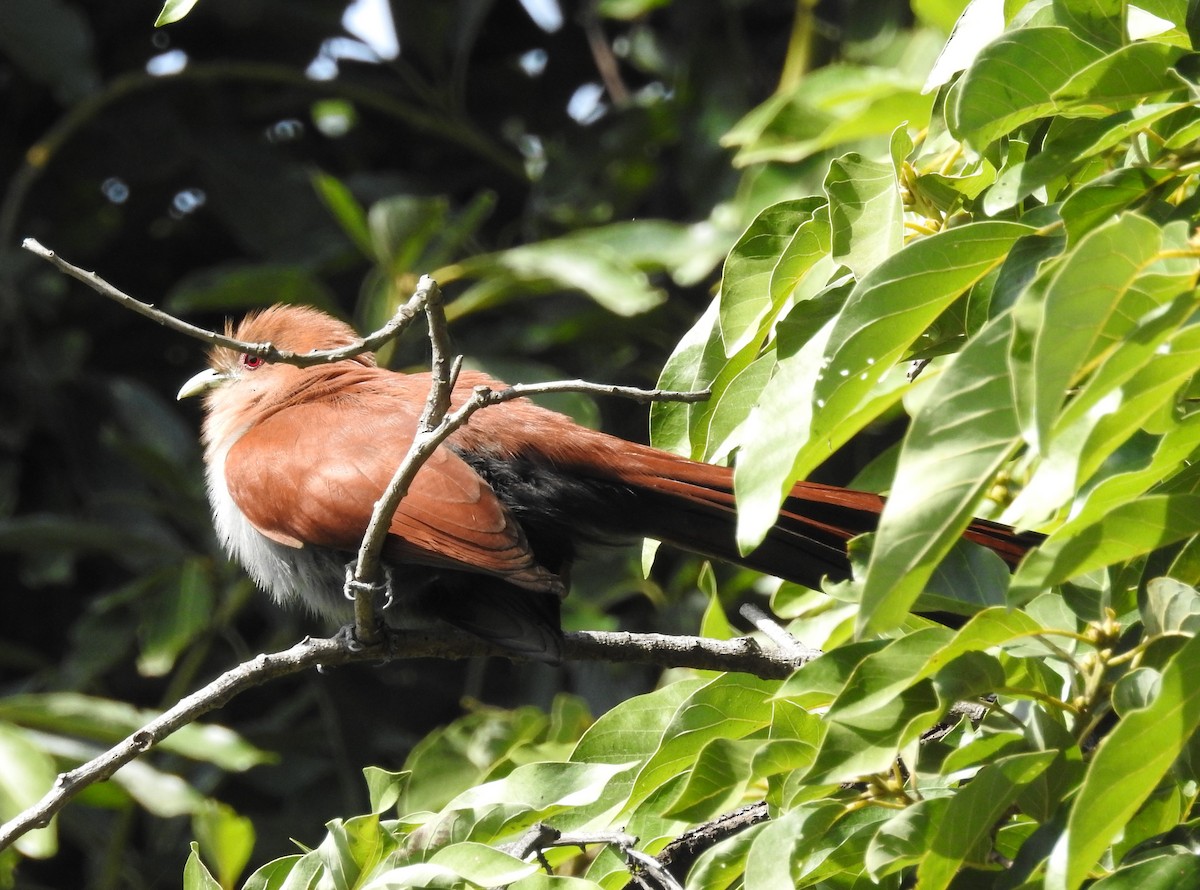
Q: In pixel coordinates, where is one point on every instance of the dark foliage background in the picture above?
(198, 190)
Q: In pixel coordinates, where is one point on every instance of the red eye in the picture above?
(251, 362)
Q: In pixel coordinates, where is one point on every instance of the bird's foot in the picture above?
(373, 589)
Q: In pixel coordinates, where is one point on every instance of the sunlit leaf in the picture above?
(1127, 766)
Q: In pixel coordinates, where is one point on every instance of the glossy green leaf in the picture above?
(716, 781)
(1100, 21)
(972, 815)
(1104, 197)
(173, 11)
(833, 105)
(1090, 303)
(1128, 531)
(237, 288)
(746, 294)
(483, 865)
(1128, 764)
(1135, 379)
(596, 271)
(385, 787)
(1170, 607)
(1135, 73)
(175, 622)
(770, 863)
(778, 424)
(869, 742)
(195, 875)
(906, 838)
(893, 305)
(865, 211)
(1166, 872)
(720, 425)
(1073, 144)
(1014, 79)
(633, 730)
(299, 872)
(732, 706)
(966, 430)
(697, 360)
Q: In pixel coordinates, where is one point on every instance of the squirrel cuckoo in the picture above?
(297, 457)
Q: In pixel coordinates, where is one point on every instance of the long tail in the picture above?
(691, 505)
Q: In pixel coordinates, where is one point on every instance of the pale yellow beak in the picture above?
(201, 383)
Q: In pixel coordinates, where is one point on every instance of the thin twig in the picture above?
(402, 318)
(777, 633)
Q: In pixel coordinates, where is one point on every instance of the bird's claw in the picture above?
(347, 637)
(382, 588)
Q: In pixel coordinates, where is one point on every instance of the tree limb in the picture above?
(741, 655)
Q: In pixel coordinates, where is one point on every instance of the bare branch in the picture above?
(741, 655)
(776, 633)
(403, 317)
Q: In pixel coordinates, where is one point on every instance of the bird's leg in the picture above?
(365, 632)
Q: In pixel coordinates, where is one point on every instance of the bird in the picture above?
(296, 457)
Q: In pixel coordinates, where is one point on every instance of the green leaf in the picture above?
(384, 787)
(403, 227)
(1138, 375)
(195, 875)
(732, 706)
(27, 773)
(1102, 198)
(633, 730)
(865, 211)
(1170, 607)
(226, 838)
(779, 422)
(1013, 81)
(299, 872)
(891, 307)
(353, 848)
(174, 622)
(697, 360)
(1071, 145)
(770, 863)
(716, 781)
(1127, 766)
(1129, 530)
(906, 838)
(1167, 872)
(1090, 303)
(1136, 73)
(595, 270)
(719, 425)
(235, 287)
(1101, 21)
(173, 11)
(104, 720)
(483, 865)
(832, 105)
(956, 443)
(746, 293)
(345, 208)
(972, 815)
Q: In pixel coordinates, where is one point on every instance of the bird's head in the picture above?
(239, 387)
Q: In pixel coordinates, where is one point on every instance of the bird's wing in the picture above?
(302, 477)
